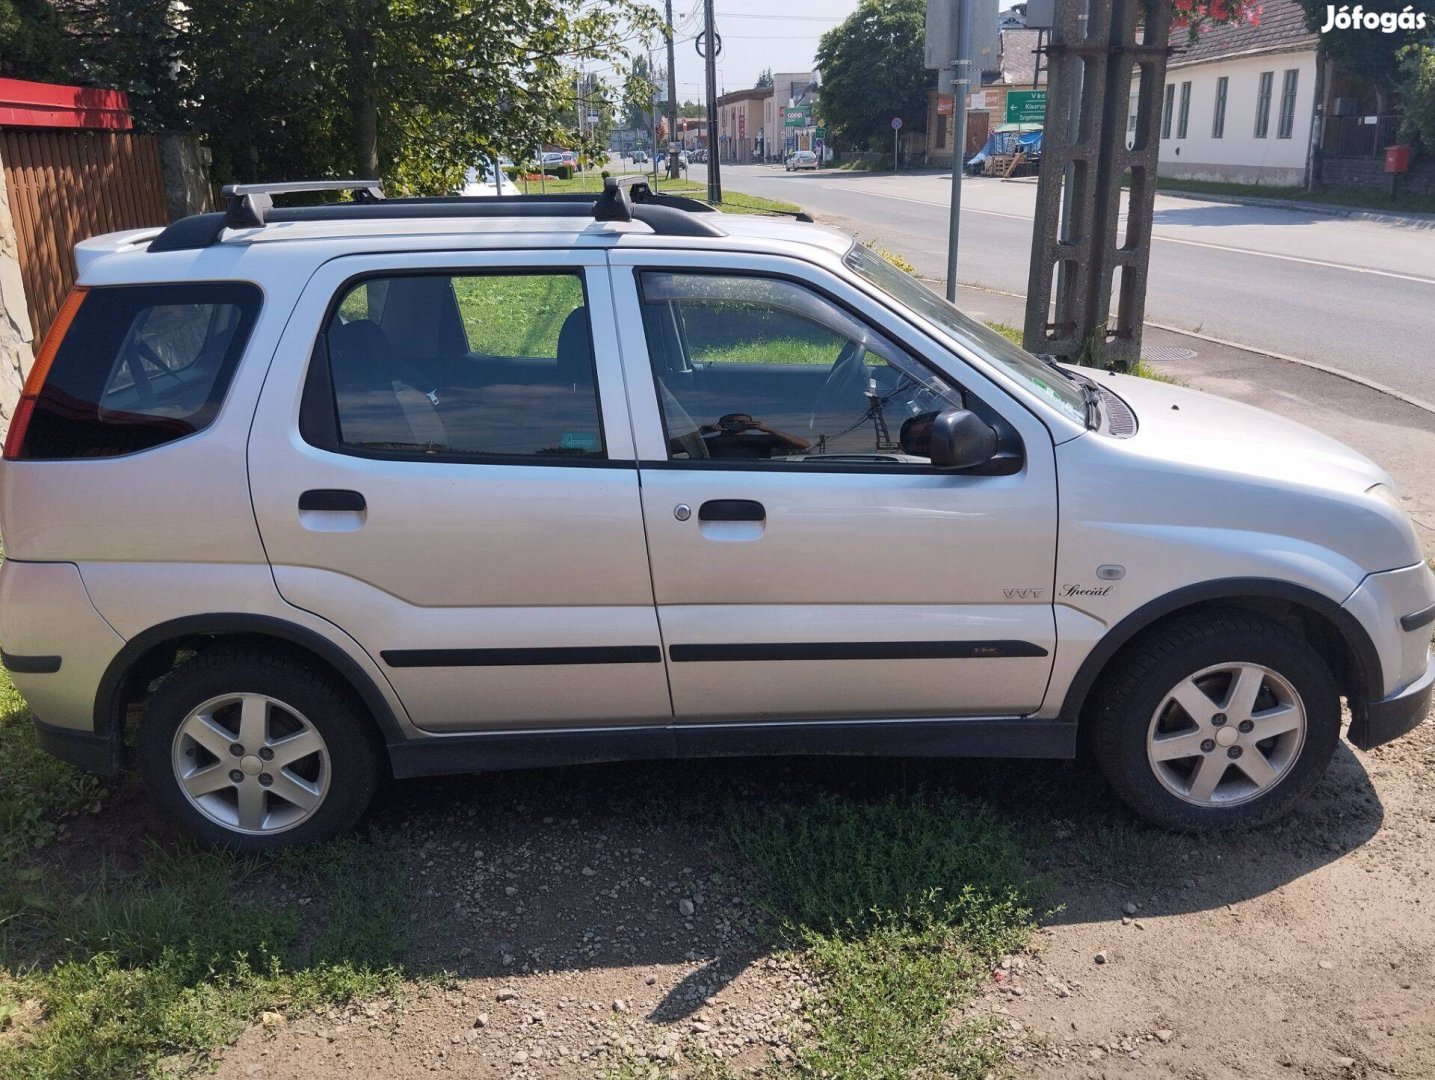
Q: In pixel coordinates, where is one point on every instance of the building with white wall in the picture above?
(1239, 102)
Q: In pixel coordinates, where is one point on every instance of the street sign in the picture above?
(896, 123)
(1026, 106)
(817, 133)
(944, 106)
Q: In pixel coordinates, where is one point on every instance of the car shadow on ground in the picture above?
(631, 865)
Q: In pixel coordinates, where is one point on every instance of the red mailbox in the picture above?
(1397, 159)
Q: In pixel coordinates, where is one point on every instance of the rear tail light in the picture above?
(15, 437)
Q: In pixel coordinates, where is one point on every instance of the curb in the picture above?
(1388, 217)
(1359, 380)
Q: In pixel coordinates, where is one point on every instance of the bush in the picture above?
(562, 172)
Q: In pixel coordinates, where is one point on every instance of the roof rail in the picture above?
(252, 206)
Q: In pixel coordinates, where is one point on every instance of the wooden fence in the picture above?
(66, 186)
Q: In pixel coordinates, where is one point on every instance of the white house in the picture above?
(1238, 102)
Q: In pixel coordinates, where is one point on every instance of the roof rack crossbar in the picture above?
(286, 187)
(252, 206)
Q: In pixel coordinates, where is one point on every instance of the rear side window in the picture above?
(493, 366)
(141, 365)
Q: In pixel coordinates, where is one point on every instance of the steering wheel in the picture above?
(848, 369)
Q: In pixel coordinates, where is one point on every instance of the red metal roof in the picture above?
(47, 105)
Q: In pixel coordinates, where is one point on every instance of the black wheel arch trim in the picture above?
(108, 698)
(1234, 590)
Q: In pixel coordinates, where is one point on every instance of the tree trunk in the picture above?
(362, 46)
(366, 134)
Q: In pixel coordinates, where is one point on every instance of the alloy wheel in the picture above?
(251, 764)
(1226, 734)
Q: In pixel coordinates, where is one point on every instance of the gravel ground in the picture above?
(569, 922)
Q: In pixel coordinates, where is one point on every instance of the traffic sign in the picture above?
(1026, 106)
(896, 123)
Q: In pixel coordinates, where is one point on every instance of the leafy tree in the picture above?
(410, 90)
(873, 69)
(692, 109)
(34, 43)
(764, 79)
(638, 90)
(1372, 55)
(1417, 93)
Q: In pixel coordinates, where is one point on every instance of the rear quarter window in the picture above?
(141, 365)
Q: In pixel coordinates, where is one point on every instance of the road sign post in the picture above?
(896, 127)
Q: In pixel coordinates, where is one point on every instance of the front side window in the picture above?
(1263, 104)
(1184, 123)
(753, 368)
(1167, 110)
(458, 365)
(140, 366)
(1016, 362)
(1218, 117)
(1288, 88)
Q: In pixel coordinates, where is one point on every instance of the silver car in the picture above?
(298, 497)
(802, 159)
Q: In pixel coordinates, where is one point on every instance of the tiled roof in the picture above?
(1282, 29)
(1019, 57)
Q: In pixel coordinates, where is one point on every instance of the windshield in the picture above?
(981, 339)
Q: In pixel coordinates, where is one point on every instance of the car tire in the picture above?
(1175, 738)
(312, 771)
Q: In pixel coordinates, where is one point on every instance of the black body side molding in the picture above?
(30, 665)
(498, 751)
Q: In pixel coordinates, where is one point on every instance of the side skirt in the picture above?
(494, 751)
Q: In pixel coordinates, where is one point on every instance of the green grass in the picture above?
(516, 314)
(1355, 197)
(901, 907)
(106, 972)
(1142, 370)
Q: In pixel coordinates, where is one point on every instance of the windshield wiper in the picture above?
(1090, 394)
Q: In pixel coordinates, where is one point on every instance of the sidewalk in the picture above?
(1398, 436)
(1314, 206)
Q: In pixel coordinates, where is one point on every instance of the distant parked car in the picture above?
(569, 158)
(803, 159)
(486, 180)
(640, 157)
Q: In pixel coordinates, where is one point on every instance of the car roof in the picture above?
(124, 257)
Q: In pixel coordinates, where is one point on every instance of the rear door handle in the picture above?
(731, 510)
(332, 499)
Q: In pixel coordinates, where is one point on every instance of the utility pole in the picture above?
(1075, 243)
(709, 50)
(672, 89)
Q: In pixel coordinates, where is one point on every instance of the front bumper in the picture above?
(1377, 722)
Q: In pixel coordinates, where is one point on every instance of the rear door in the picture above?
(442, 466)
(808, 562)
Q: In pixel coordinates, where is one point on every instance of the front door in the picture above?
(452, 484)
(808, 561)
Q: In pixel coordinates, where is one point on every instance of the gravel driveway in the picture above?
(575, 922)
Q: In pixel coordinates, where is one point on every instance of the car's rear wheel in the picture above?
(252, 749)
(1225, 719)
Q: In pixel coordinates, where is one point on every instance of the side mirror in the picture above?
(961, 440)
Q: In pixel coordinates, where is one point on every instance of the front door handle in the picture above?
(731, 510)
(338, 499)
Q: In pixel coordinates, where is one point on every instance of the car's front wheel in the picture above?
(253, 749)
(1225, 719)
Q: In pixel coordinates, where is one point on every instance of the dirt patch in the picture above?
(565, 925)
(1306, 950)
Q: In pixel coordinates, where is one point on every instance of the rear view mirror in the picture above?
(958, 439)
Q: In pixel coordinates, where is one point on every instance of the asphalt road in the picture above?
(1357, 295)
